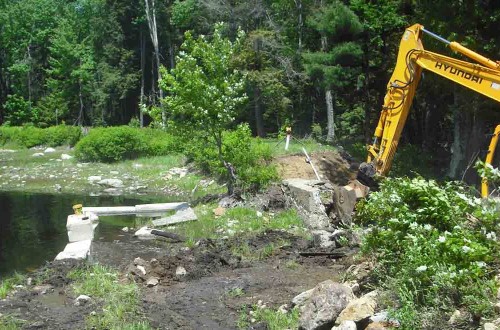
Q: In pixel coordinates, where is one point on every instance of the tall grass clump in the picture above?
(435, 248)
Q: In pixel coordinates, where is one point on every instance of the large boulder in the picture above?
(360, 308)
(306, 195)
(321, 310)
(111, 183)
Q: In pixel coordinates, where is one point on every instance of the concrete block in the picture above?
(109, 210)
(183, 215)
(160, 207)
(77, 250)
(80, 227)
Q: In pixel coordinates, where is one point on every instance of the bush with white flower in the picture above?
(435, 245)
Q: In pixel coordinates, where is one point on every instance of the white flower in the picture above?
(446, 233)
(466, 249)
(467, 240)
(421, 269)
(457, 227)
(442, 239)
(481, 264)
(492, 236)
(413, 225)
(427, 226)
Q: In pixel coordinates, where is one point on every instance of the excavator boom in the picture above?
(482, 77)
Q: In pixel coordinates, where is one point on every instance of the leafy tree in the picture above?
(336, 65)
(204, 91)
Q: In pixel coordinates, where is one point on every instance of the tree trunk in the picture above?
(80, 97)
(153, 31)
(259, 121)
(330, 135)
(300, 23)
(460, 136)
(143, 63)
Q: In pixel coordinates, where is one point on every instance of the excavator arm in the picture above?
(482, 77)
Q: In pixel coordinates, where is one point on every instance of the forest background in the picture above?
(318, 66)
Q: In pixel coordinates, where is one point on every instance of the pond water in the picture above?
(33, 226)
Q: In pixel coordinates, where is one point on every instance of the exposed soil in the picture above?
(200, 299)
(330, 166)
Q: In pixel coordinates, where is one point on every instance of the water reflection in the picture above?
(33, 226)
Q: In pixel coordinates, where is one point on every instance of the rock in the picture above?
(43, 289)
(259, 214)
(94, 179)
(66, 157)
(497, 307)
(455, 317)
(154, 263)
(49, 150)
(152, 281)
(36, 325)
(360, 308)
(177, 171)
(345, 198)
(346, 325)
(327, 300)
(144, 233)
(38, 154)
(139, 261)
(180, 271)
(219, 211)
(142, 269)
(354, 285)
(489, 326)
(306, 194)
(112, 183)
(113, 191)
(300, 299)
(322, 238)
(57, 187)
(114, 172)
(283, 309)
(82, 300)
(125, 229)
(29, 281)
(380, 326)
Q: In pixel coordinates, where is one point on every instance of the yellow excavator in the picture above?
(483, 76)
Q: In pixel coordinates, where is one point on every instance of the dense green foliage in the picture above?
(322, 64)
(30, 136)
(112, 144)
(435, 246)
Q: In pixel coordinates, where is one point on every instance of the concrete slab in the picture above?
(77, 250)
(111, 210)
(183, 215)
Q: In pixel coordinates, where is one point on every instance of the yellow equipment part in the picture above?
(482, 77)
(485, 192)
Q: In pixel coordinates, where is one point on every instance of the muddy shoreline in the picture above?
(199, 299)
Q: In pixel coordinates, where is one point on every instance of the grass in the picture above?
(20, 171)
(7, 285)
(235, 292)
(237, 220)
(8, 322)
(120, 301)
(275, 319)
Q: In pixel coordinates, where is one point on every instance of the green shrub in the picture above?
(249, 157)
(110, 144)
(63, 135)
(435, 246)
(30, 136)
